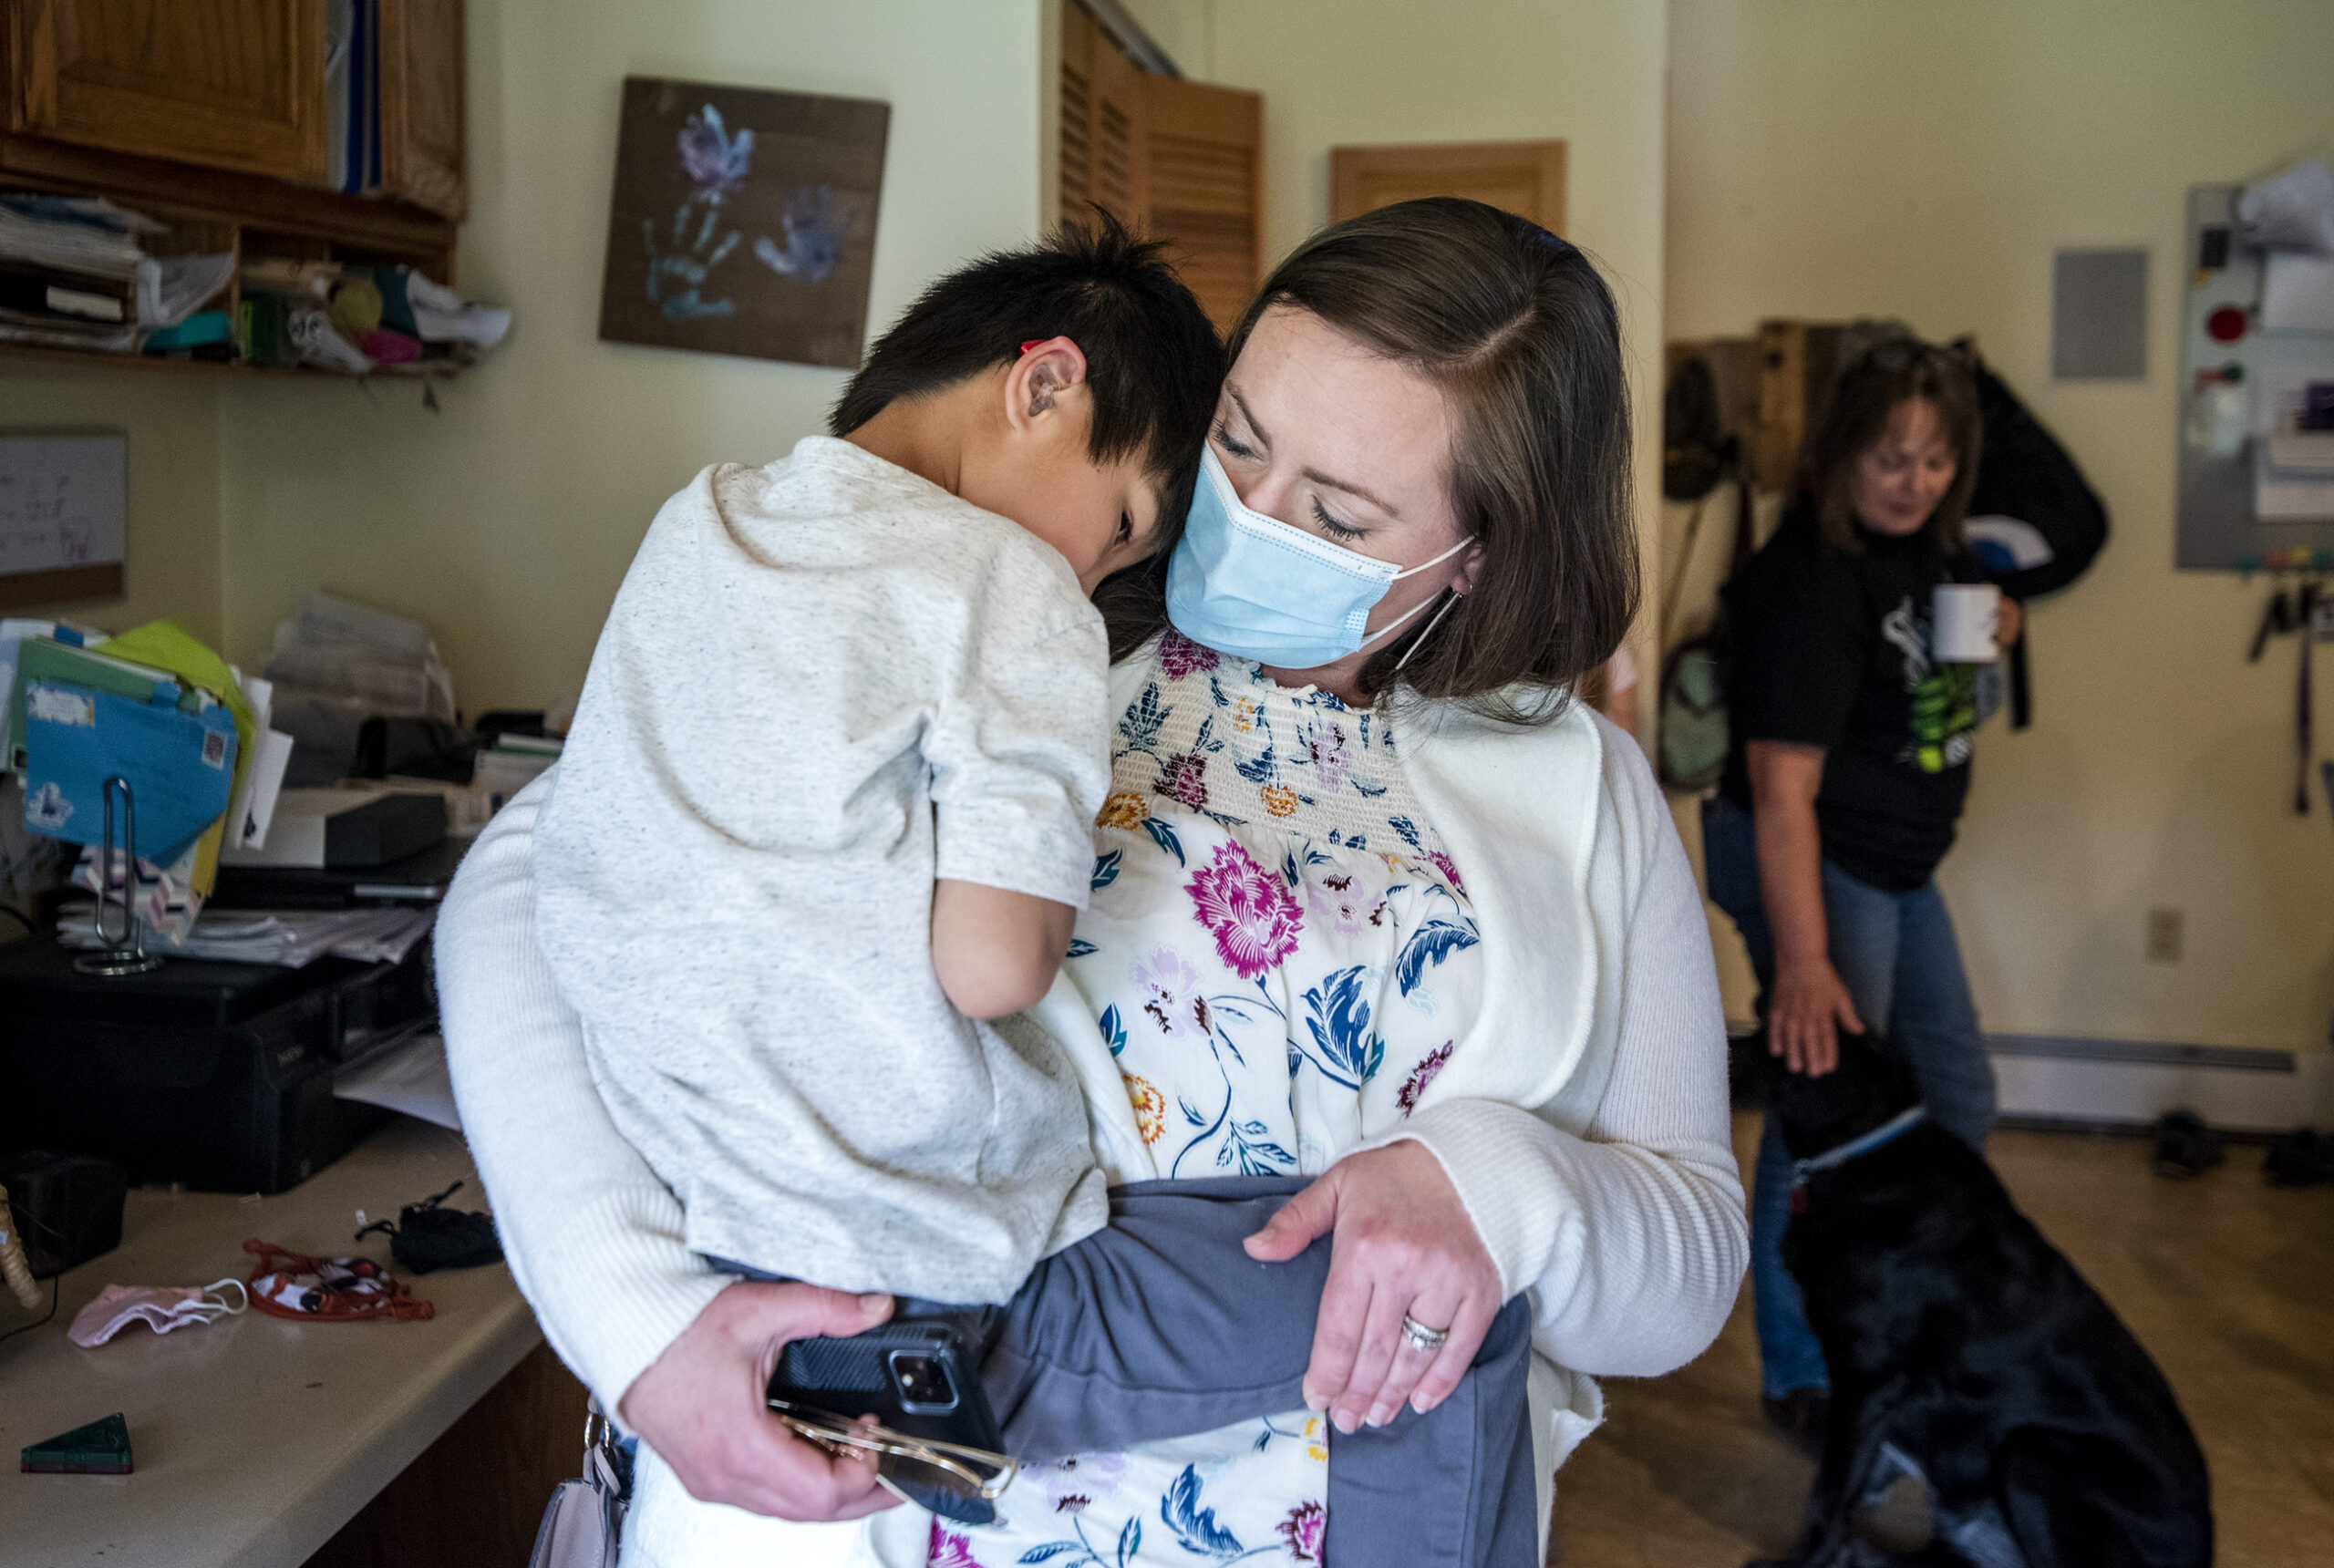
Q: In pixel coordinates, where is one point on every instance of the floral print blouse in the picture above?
(1281, 957)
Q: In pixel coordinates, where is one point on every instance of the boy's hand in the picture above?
(1404, 1244)
(701, 1405)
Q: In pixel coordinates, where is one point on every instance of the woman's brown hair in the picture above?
(1868, 393)
(1517, 330)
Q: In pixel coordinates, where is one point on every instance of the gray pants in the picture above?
(1160, 1325)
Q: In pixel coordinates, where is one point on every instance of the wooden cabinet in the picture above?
(215, 117)
(230, 87)
(226, 84)
(1180, 159)
(421, 103)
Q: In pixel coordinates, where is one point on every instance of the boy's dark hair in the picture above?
(1153, 362)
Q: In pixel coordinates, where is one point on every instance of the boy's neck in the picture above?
(929, 436)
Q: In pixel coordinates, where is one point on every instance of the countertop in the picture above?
(255, 1438)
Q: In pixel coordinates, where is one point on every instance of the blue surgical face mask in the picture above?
(1257, 588)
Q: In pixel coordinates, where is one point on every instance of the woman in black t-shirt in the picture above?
(1851, 759)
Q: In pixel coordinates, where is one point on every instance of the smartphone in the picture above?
(918, 1378)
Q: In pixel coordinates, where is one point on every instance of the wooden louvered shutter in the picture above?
(1205, 148)
(1101, 123)
(1078, 37)
(1180, 159)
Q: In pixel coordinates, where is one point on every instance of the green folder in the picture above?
(44, 659)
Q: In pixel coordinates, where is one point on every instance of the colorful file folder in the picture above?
(180, 766)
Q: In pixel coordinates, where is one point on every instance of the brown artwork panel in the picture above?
(743, 221)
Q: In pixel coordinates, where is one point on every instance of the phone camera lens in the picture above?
(923, 1382)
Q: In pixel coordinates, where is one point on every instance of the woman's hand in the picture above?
(700, 1405)
(1804, 1015)
(2008, 622)
(1403, 1243)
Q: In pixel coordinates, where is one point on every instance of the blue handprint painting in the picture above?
(743, 221)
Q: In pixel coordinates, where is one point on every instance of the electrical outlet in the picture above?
(2167, 932)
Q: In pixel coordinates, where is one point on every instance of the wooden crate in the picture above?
(1797, 360)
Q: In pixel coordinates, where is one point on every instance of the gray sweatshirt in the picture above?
(824, 683)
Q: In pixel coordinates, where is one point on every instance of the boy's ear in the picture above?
(1035, 382)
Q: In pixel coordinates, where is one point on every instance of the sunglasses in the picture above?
(901, 1461)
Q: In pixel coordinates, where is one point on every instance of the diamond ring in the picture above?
(1420, 1337)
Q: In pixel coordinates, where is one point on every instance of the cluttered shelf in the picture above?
(84, 280)
(31, 358)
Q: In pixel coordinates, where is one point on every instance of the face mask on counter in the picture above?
(161, 1308)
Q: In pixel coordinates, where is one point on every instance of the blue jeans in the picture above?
(1896, 955)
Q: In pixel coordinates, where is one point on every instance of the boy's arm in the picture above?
(1019, 750)
(995, 950)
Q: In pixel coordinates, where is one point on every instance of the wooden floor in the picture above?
(2229, 1283)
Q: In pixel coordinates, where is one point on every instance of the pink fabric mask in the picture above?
(162, 1307)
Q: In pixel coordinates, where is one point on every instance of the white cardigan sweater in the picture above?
(1588, 1141)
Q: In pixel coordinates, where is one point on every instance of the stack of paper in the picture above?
(410, 1077)
(68, 272)
(289, 938)
(74, 234)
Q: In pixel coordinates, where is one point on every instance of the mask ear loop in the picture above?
(218, 1309)
(1428, 630)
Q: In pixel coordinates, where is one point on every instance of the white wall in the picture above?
(1184, 28)
(508, 519)
(1834, 158)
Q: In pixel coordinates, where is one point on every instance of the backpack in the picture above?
(1690, 748)
(1694, 442)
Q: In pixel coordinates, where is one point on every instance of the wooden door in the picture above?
(1204, 172)
(421, 103)
(1527, 177)
(227, 84)
(1179, 159)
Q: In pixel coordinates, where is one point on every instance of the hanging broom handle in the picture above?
(19, 1273)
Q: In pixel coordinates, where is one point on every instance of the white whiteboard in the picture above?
(64, 502)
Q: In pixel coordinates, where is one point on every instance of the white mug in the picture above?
(1965, 622)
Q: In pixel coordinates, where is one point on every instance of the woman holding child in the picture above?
(1372, 904)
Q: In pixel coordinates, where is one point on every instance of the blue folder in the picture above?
(180, 766)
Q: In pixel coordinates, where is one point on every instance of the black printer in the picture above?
(218, 1076)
